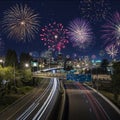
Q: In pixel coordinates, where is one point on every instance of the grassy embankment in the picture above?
(9, 96)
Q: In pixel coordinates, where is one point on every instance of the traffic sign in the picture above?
(79, 77)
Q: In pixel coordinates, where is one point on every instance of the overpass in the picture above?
(51, 69)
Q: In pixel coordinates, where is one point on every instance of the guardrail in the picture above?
(49, 74)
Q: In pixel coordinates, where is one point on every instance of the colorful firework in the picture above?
(112, 50)
(80, 33)
(54, 36)
(112, 29)
(94, 10)
(20, 22)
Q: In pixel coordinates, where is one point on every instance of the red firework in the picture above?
(54, 36)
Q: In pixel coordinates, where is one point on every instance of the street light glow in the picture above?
(26, 65)
(1, 61)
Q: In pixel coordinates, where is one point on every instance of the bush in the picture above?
(15, 89)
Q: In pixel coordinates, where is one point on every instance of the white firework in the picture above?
(80, 33)
(111, 29)
(20, 22)
(112, 51)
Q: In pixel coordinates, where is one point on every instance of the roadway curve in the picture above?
(42, 106)
(84, 104)
(14, 110)
(36, 105)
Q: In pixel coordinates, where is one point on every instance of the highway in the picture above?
(14, 110)
(42, 106)
(84, 104)
(34, 106)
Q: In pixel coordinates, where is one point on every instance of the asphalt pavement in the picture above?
(84, 104)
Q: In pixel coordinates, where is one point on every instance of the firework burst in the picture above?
(112, 29)
(112, 50)
(118, 42)
(80, 33)
(54, 36)
(99, 9)
(20, 22)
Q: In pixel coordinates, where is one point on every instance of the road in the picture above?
(36, 105)
(84, 104)
(14, 110)
(44, 105)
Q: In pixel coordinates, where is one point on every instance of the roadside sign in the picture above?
(79, 77)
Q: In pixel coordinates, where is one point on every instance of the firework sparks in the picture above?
(118, 42)
(20, 22)
(112, 29)
(54, 36)
(112, 50)
(99, 9)
(80, 33)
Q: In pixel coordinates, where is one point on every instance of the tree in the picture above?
(104, 64)
(116, 80)
(24, 58)
(11, 58)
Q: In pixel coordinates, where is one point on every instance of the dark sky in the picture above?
(62, 11)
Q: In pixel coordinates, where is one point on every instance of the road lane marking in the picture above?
(106, 99)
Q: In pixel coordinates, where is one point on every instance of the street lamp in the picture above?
(26, 65)
(2, 62)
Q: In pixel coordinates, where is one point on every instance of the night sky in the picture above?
(61, 11)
